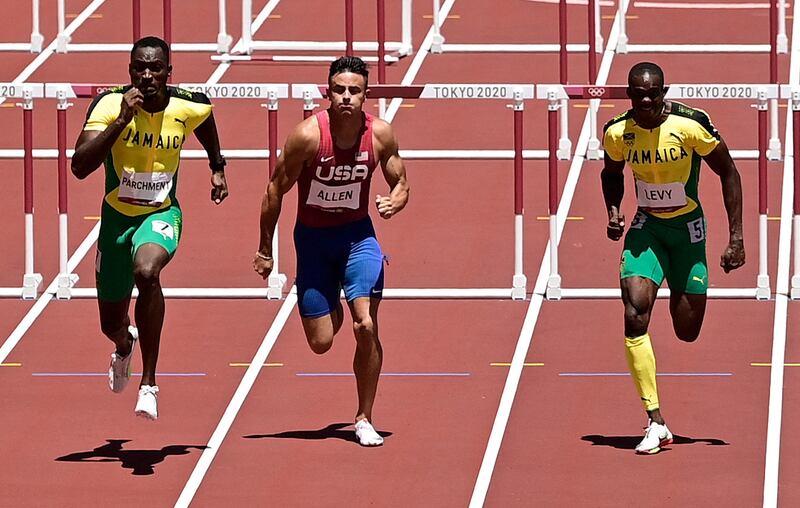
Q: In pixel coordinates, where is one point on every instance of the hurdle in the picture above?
(27, 92)
(778, 43)
(594, 46)
(222, 45)
(37, 39)
(555, 93)
(402, 48)
(517, 93)
(63, 92)
(792, 92)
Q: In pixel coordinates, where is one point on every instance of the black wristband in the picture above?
(218, 165)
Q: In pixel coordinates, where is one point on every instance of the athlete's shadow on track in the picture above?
(630, 442)
(332, 431)
(142, 462)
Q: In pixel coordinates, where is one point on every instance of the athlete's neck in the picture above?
(346, 129)
(156, 103)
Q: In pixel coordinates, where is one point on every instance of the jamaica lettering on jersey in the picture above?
(665, 160)
(141, 169)
(334, 188)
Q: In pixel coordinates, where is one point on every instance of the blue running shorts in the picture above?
(330, 259)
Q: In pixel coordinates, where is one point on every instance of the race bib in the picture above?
(332, 198)
(145, 189)
(661, 195)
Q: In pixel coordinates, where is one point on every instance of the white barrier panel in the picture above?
(21, 90)
(239, 90)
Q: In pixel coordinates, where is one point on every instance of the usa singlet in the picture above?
(665, 160)
(141, 169)
(334, 188)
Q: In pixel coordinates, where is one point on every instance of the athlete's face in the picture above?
(149, 71)
(646, 93)
(347, 91)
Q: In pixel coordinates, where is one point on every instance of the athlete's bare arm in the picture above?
(93, 147)
(207, 134)
(721, 163)
(301, 147)
(394, 170)
(613, 181)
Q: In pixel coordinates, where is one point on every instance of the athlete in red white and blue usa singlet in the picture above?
(334, 189)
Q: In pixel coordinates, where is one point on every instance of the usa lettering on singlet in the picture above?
(334, 187)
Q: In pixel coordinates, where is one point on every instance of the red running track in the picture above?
(67, 441)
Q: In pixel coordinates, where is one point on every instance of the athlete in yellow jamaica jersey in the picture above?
(138, 131)
(663, 142)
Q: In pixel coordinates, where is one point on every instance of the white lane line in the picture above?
(27, 321)
(779, 327)
(249, 378)
(526, 334)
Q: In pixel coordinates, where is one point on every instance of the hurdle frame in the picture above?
(37, 39)
(517, 93)
(401, 48)
(778, 43)
(269, 92)
(27, 92)
(222, 45)
(761, 93)
(792, 93)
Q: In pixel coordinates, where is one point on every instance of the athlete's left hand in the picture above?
(219, 187)
(385, 207)
(733, 256)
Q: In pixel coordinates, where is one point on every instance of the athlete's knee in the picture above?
(320, 345)
(364, 328)
(146, 273)
(688, 334)
(636, 320)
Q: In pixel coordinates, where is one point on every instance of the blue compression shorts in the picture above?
(333, 258)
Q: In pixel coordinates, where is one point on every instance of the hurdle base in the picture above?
(553, 288)
(61, 43)
(783, 44)
(37, 41)
(224, 42)
(66, 281)
(762, 288)
(276, 283)
(519, 287)
(593, 150)
(795, 292)
(774, 150)
(30, 286)
(622, 44)
(564, 149)
(436, 44)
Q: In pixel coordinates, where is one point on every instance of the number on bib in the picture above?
(697, 230)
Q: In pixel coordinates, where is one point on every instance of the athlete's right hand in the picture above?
(616, 224)
(131, 100)
(262, 265)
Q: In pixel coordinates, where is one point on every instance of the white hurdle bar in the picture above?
(517, 93)
(404, 47)
(27, 92)
(271, 93)
(762, 93)
(37, 39)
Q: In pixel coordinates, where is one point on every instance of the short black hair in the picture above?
(151, 42)
(642, 68)
(348, 64)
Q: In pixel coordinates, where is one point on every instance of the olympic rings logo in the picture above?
(596, 91)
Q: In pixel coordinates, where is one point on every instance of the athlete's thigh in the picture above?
(644, 254)
(363, 273)
(162, 228)
(319, 273)
(114, 261)
(687, 250)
